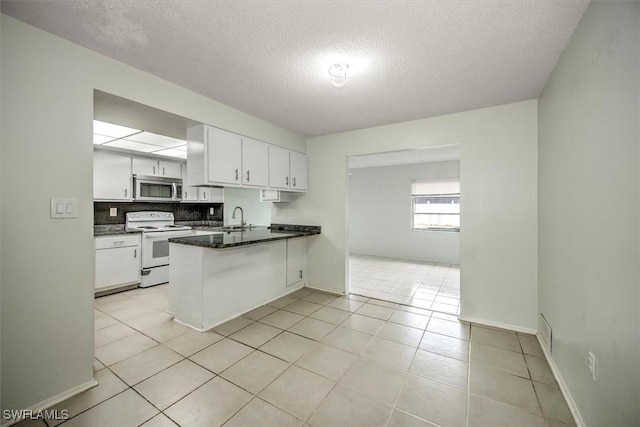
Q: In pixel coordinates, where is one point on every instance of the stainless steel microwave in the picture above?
(156, 188)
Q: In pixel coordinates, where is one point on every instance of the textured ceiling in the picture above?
(409, 59)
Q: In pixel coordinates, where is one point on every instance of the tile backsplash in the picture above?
(182, 211)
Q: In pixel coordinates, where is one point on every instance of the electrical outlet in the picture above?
(113, 211)
(591, 364)
(212, 211)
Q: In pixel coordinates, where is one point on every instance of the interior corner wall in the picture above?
(589, 282)
(498, 178)
(47, 265)
(380, 213)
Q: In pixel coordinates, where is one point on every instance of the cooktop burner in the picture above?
(152, 221)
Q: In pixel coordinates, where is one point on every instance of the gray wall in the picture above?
(588, 214)
(380, 213)
(47, 265)
(499, 229)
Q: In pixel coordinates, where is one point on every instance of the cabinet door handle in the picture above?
(204, 195)
(135, 253)
(236, 174)
(186, 195)
(125, 192)
(118, 243)
(294, 181)
(286, 180)
(248, 176)
(163, 173)
(300, 274)
(154, 170)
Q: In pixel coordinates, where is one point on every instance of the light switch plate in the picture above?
(113, 211)
(64, 208)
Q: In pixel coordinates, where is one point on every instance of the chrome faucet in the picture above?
(233, 216)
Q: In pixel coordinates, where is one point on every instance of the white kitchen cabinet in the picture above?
(298, 170)
(153, 167)
(111, 176)
(117, 261)
(296, 254)
(278, 167)
(214, 156)
(224, 156)
(189, 193)
(275, 196)
(211, 194)
(287, 169)
(255, 163)
(199, 194)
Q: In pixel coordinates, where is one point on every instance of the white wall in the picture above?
(589, 282)
(379, 208)
(47, 265)
(255, 211)
(498, 175)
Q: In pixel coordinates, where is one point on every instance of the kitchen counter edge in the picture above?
(275, 232)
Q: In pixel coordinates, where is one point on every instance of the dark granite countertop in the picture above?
(110, 230)
(230, 239)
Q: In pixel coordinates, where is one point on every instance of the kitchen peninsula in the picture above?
(214, 278)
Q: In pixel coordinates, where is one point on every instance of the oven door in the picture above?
(155, 247)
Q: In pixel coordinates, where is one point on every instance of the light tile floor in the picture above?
(311, 359)
(417, 283)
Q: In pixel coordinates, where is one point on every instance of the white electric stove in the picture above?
(157, 228)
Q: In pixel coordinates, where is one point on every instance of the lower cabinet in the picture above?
(117, 261)
(296, 253)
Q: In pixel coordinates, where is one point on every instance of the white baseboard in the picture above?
(577, 417)
(54, 400)
(498, 325)
(291, 289)
(329, 291)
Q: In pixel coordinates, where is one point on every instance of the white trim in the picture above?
(498, 325)
(317, 288)
(208, 328)
(577, 417)
(58, 398)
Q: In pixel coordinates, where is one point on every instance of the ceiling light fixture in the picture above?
(338, 73)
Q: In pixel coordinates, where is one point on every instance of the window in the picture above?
(435, 205)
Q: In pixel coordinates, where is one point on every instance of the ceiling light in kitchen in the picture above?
(114, 131)
(101, 139)
(339, 74)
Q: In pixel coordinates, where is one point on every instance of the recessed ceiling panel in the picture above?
(155, 139)
(125, 144)
(112, 130)
(172, 152)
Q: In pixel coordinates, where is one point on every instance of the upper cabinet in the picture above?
(299, 170)
(224, 156)
(111, 176)
(255, 164)
(154, 167)
(278, 167)
(219, 157)
(287, 169)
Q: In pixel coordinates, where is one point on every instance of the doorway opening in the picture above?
(403, 216)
